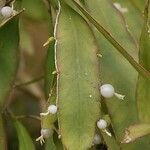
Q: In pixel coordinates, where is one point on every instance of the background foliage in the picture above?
(27, 73)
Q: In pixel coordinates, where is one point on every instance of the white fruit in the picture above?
(52, 109)
(107, 90)
(97, 139)
(6, 11)
(102, 124)
(46, 133)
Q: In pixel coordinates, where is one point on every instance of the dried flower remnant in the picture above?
(120, 8)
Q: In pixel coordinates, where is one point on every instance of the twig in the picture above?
(29, 82)
(29, 116)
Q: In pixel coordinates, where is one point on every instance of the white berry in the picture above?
(46, 133)
(107, 90)
(97, 139)
(52, 109)
(102, 124)
(7, 11)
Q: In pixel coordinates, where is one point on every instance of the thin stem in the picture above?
(48, 5)
(56, 130)
(11, 114)
(29, 82)
(29, 116)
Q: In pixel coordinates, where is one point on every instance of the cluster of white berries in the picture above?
(45, 134)
(102, 124)
(7, 11)
(108, 91)
(52, 109)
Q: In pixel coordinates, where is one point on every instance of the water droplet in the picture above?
(90, 96)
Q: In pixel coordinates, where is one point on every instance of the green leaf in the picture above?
(139, 4)
(115, 43)
(26, 42)
(2, 134)
(106, 10)
(143, 85)
(114, 66)
(35, 10)
(110, 142)
(50, 145)
(133, 17)
(25, 141)
(54, 143)
(116, 70)
(136, 131)
(78, 80)
(9, 41)
(58, 142)
(8, 56)
(50, 68)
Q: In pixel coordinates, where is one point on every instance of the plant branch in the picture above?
(28, 82)
(29, 116)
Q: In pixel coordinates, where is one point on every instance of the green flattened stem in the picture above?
(2, 134)
(47, 122)
(78, 80)
(25, 141)
(50, 145)
(143, 85)
(50, 68)
(139, 4)
(133, 17)
(116, 69)
(47, 127)
(115, 43)
(8, 55)
(9, 41)
(110, 141)
(114, 66)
